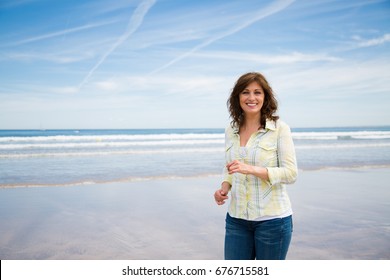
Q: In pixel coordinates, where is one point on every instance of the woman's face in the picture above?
(252, 98)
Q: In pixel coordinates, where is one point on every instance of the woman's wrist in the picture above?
(260, 172)
(225, 187)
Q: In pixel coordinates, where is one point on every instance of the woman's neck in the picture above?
(251, 123)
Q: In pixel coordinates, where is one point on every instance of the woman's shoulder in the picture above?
(231, 129)
(283, 128)
(277, 125)
(281, 123)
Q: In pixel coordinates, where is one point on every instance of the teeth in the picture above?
(251, 104)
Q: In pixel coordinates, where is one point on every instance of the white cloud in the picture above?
(374, 42)
(348, 80)
(162, 85)
(108, 85)
(63, 90)
(54, 57)
(272, 58)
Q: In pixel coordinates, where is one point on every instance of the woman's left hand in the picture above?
(237, 166)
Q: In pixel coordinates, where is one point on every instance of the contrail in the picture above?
(270, 10)
(135, 21)
(59, 33)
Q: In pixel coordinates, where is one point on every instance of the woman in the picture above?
(260, 159)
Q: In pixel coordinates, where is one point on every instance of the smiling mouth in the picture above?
(251, 104)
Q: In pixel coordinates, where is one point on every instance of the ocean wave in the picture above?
(100, 144)
(329, 135)
(112, 138)
(107, 148)
(340, 135)
(109, 153)
(342, 146)
(120, 180)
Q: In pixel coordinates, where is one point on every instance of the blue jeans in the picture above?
(263, 240)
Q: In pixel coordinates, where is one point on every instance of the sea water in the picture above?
(67, 157)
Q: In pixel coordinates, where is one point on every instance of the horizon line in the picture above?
(182, 128)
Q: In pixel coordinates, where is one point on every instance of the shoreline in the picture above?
(174, 177)
(338, 214)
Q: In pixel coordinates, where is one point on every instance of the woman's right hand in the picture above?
(220, 195)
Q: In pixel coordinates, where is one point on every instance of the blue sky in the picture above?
(172, 64)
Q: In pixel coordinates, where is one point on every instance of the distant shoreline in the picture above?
(298, 128)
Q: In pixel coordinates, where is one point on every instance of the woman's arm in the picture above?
(220, 195)
(243, 168)
(285, 173)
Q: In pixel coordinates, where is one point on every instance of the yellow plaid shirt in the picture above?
(252, 198)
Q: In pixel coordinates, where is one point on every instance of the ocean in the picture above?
(77, 157)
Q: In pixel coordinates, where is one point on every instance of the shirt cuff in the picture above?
(273, 175)
(228, 178)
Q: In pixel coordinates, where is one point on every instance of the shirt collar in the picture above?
(235, 129)
(269, 125)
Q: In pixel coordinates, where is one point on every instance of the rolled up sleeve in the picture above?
(287, 171)
(228, 145)
(226, 176)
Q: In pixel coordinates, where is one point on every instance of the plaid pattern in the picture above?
(251, 197)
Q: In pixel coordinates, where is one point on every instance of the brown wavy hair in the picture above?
(270, 104)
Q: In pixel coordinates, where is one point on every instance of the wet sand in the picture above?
(338, 214)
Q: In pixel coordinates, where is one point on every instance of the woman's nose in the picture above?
(251, 95)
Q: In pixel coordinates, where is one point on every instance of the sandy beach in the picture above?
(338, 214)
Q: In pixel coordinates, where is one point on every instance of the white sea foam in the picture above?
(108, 153)
(342, 146)
(334, 135)
(106, 142)
(112, 138)
(102, 144)
(341, 135)
(120, 180)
